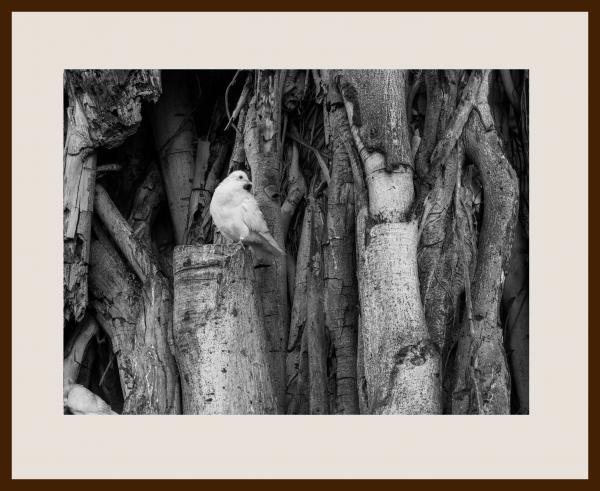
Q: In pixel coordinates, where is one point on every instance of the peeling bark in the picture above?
(219, 334)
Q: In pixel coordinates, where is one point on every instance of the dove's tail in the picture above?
(272, 244)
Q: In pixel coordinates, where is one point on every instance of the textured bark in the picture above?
(341, 290)
(174, 134)
(79, 177)
(445, 239)
(104, 109)
(402, 364)
(262, 148)
(483, 382)
(112, 101)
(219, 334)
(317, 344)
(146, 202)
(136, 312)
(296, 388)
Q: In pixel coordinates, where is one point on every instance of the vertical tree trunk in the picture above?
(316, 341)
(483, 382)
(296, 371)
(219, 334)
(174, 135)
(402, 364)
(262, 147)
(341, 292)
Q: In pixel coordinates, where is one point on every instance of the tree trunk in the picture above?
(262, 148)
(219, 333)
(483, 382)
(173, 130)
(341, 292)
(402, 364)
(136, 312)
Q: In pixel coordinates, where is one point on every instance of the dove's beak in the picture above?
(248, 187)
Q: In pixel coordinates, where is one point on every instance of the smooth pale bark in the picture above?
(341, 289)
(174, 136)
(402, 364)
(104, 110)
(137, 315)
(219, 333)
(483, 381)
(262, 148)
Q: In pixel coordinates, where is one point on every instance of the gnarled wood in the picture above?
(141, 327)
(483, 381)
(104, 109)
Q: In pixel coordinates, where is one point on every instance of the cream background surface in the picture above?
(551, 442)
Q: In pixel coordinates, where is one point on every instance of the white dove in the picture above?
(236, 214)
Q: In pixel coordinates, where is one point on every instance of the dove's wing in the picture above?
(259, 231)
(253, 217)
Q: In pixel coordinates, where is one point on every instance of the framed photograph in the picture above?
(300, 244)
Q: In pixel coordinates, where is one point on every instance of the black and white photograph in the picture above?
(299, 242)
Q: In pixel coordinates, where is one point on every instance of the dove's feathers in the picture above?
(236, 214)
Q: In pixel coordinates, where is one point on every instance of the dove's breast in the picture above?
(228, 219)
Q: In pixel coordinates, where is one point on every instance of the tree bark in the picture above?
(219, 334)
(341, 290)
(104, 109)
(483, 381)
(136, 312)
(262, 148)
(402, 364)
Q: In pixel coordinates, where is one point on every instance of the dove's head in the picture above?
(239, 179)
